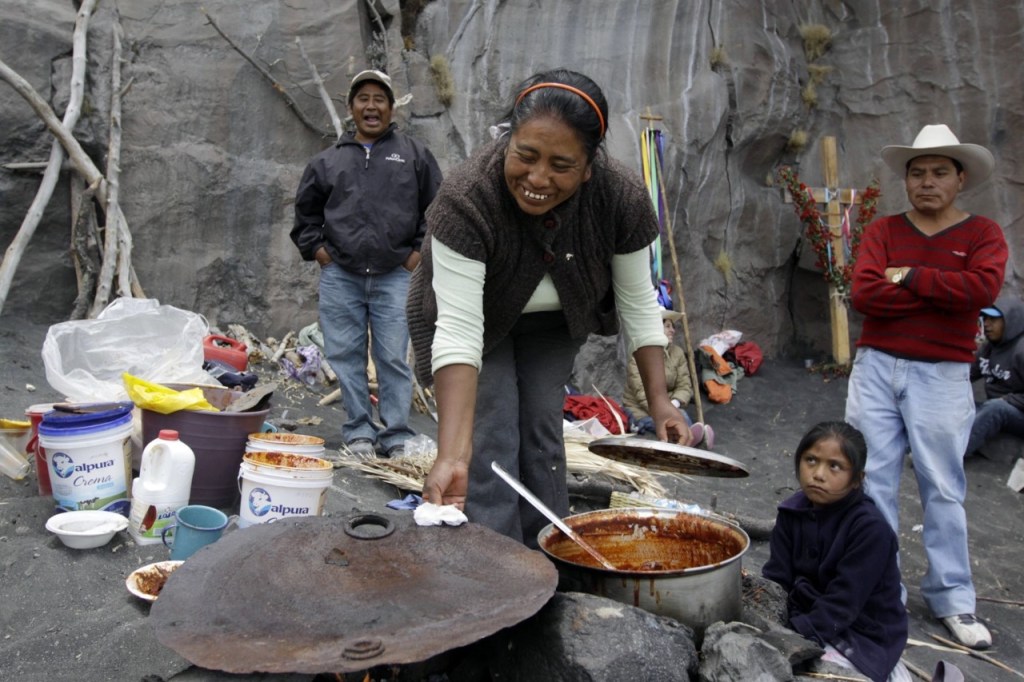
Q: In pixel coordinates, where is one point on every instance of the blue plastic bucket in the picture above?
(89, 456)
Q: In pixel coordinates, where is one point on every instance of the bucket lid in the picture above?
(85, 417)
(286, 461)
(285, 439)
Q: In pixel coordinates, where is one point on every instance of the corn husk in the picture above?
(409, 472)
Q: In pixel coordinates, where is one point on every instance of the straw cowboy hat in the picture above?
(939, 140)
(667, 314)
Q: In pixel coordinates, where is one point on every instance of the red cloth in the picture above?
(747, 355)
(580, 407)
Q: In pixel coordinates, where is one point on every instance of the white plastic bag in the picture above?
(723, 340)
(84, 359)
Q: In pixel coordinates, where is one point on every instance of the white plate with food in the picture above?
(146, 582)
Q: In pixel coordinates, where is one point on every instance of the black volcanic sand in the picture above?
(66, 614)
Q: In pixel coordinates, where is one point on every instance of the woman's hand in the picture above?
(670, 425)
(447, 483)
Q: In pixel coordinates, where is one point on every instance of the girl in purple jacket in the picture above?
(835, 555)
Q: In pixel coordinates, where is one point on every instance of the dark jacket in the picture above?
(366, 207)
(1002, 364)
(476, 216)
(838, 565)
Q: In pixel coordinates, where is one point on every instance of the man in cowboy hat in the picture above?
(359, 213)
(920, 279)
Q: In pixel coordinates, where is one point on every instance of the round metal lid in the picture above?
(668, 457)
(316, 595)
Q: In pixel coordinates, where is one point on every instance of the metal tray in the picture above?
(330, 595)
(668, 457)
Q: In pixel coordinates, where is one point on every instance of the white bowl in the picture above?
(138, 578)
(87, 528)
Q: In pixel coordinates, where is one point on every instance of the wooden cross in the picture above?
(834, 197)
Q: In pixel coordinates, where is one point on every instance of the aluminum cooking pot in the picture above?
(672, 563)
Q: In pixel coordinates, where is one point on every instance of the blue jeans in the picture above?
(350, 306)
(926, 408)
(646, 424)
(994, 416)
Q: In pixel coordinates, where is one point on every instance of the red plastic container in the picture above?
(235, 353)
(35, 415)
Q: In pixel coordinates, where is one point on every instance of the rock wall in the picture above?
(212, 153)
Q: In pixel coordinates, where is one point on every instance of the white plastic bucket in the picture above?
(294, 443)
(276, 485)
(89, 462)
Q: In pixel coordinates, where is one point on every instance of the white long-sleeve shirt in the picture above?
(459, 287)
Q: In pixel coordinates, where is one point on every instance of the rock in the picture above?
(583, 637)
(735, 651)
(764, 603)
(212, 153)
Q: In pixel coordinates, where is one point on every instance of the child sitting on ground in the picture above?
(1000, 362)
(835, 555)
(677, 381)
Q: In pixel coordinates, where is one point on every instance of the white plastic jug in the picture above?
(165, 478)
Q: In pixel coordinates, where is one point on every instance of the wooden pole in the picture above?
(836, 305)
(694, 377)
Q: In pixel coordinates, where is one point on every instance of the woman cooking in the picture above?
(536, 241)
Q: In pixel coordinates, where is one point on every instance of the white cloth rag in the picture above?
(430, 514)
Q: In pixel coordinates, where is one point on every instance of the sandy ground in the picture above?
(66, 615)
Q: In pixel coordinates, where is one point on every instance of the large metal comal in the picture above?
(314, 594)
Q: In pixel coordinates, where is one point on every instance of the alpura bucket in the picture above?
(217, 438)
(275, 485)
(89, 456)
(295, 443)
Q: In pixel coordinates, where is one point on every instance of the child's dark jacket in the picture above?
(1002, 364)
(838, 565)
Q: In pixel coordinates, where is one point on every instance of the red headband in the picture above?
(570, 88)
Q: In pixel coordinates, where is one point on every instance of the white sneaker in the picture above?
(968, 630)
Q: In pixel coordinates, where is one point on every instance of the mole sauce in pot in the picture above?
(672, 563)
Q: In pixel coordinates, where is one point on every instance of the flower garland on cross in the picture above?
(820, 235)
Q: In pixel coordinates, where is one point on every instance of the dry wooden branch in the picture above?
(84, 248)
(332, 376)
(26, 165)
(922, 674)
(326, 98)
(289, 100)
(51, 174)
(331, 397)
(282, 347)
(114, 255)
(1011, 602)
(832, 676)
(81, 161)
(975, 654)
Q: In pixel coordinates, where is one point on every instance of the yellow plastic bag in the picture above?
(150, 396)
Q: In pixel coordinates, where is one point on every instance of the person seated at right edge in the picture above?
(1000, 362)
(919, 280)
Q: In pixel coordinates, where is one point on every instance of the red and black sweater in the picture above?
(933, 314)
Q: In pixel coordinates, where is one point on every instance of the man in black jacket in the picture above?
(359, 213)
